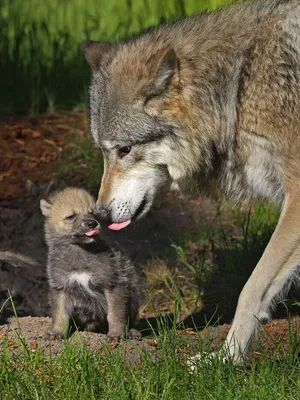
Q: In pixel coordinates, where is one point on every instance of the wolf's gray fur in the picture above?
(206, 104)
(91, 282)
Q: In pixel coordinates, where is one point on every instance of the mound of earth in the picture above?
(32, 331)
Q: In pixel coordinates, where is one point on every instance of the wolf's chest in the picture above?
(254, 170)
(263, 174)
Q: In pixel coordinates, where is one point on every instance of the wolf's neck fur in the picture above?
(231, 147)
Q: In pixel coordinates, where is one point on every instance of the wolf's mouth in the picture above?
(116, 226)
(140, 209)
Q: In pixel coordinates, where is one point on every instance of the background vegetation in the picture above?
(41, 63)
(42, 68)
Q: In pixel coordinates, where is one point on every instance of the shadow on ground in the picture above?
(22, 230)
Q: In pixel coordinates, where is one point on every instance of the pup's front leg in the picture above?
(60, 318)
(117, 312)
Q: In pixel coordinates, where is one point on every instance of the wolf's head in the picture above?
(137, 110)
(69, 215)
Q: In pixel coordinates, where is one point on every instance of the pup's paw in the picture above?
(114, 337)
(54, 335)
(134, 334)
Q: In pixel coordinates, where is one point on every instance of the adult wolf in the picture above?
(208, 103)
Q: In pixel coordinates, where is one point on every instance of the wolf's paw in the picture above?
(264, 317)
(222, 356)
(194, 363)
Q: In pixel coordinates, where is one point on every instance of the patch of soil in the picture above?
(30, 146)
(32, 330)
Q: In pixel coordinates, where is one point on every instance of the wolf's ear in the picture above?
(45, 207)
(94, 52)
(166, 68)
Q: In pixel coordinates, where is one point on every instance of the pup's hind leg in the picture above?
(60, 318)
(133, 314)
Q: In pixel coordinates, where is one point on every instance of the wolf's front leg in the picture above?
(117, 312)
(268, 278)
(60, 318)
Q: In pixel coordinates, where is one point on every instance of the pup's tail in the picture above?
(17, 259)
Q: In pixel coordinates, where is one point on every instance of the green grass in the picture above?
(79, 373)
(217, 257)
(80, 162)
(41, 61)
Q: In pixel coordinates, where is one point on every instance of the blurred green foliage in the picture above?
(41, 61)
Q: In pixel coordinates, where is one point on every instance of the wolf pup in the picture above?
(208, 103)
(95, 285)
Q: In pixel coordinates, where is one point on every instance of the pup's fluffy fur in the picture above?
(92, 283)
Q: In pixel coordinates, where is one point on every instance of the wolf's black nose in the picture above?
(101, 213)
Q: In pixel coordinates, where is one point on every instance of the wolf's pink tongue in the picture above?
(117, 226)
(93, 233)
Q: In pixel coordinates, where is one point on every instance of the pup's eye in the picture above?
(70, 217)
(123, 151)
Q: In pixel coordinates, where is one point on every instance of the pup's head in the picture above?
(136, 108)
(69, 215)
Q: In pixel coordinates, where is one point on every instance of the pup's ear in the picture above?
(166, 68)
(45, 207)
(94, 52)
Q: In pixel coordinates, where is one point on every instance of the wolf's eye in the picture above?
(123, 151)
(70, 217)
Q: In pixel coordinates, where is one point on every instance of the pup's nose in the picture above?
(101, 213)
(92, 224)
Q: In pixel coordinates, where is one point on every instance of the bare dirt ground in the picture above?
(30, 332)
(29, 154)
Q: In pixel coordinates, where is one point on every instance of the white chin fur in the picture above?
(174, 187)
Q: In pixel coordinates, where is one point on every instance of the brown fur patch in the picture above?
(175, 106)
